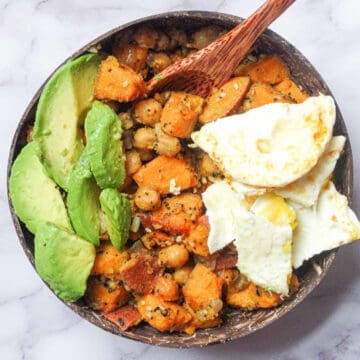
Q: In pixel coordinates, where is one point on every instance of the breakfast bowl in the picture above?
(236, 323)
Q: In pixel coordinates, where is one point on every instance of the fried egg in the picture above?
(329, 224)
(262, 235)
(305, 191)
(270, 146)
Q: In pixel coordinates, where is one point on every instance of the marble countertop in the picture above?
(35, 36)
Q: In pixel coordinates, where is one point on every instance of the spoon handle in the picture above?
(232, 47)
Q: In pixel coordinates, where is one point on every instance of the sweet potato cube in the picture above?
(180, 114)
(261, 94)
(252, 297)
(105, 295)
(226, 100)
(108, 260)
(117, 81)
(176, 214)
(125, 317)
(289, 88)
(202, 287)
(158, 173)
(270, 69)
(163, 315)
(196, 241)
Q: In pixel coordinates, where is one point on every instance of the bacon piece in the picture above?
(125, 317)
(140, 273)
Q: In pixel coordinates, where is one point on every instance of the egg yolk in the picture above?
(275, 209)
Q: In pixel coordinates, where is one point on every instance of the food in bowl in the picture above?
(165, 209)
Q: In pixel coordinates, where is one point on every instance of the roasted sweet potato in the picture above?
(225, 100)
(196, 240)
(260, 94)
(163, 315)
(140, 273)
(105, 294)
(131, 55)
(252, 297)
(125, 317)
(118, 82)
(203, 288)
(270, 69)
(180, 114)
(157, 238)
(108, 260)
(176, 214)
(289, 88)
(158, 173)
(167, 288)
(201, 319)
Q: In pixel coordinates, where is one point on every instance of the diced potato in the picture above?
(202, 288)
(105, 295)
(260, 94)
(163, 315)
(289, 88)
(131, 55)
(108, 260)
(176, 214)
(180, 114)
(270, 69)
(196, 241)
(118, 82)
(158, 173)
(226, 100)
(252, 297)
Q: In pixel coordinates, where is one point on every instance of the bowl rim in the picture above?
(192, 15)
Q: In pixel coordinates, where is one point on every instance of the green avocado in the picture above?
(83, 201)
(103, 133)
(117, 211)
(35, 197)
(63, 260)
(61, 111)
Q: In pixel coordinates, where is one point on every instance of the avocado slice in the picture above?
(83, 201)
(118, 212)
(103, 133)
(35, 197)
(61, 111)
(63, 260)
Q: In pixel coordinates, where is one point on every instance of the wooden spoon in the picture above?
(213, 65)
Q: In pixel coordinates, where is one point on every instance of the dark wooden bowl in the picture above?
(236, 323)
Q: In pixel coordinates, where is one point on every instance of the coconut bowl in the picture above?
(236, 323)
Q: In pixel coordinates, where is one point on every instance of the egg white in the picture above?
(264, 249)
(270, 146)
(305, 191)
(329, 224)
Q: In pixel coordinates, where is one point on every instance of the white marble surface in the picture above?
(35, 36)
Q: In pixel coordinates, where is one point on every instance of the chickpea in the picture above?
(144, 138)
(146, 37)
(126, 120)
(167, 288)
(163, 41)
(177, 37)
(131, 55)
(147, 199)
(182, 274)
(204, 36)
(148, 112)
(166, 145)
(207, 166)
(132, 162)
(146, 155)
(159, 62)
(174, 256)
